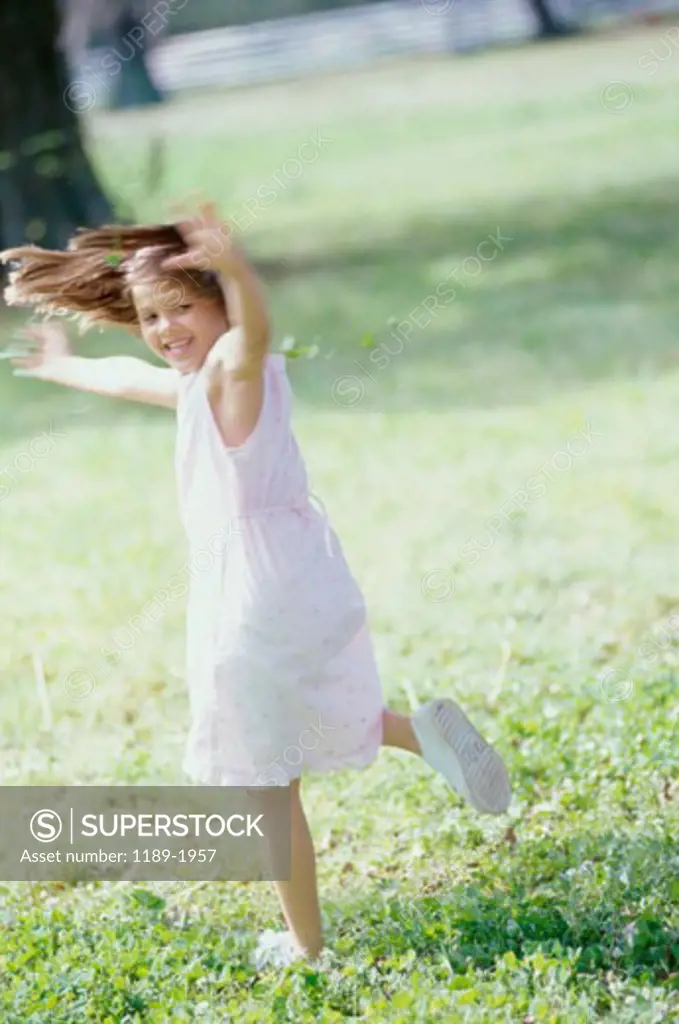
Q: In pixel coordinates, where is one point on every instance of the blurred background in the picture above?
(466, 215)
(83, 58)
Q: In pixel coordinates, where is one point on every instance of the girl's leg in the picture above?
(441, 733)
(299, 895)
(397, 731)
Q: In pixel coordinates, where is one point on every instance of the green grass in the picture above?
(568, 909)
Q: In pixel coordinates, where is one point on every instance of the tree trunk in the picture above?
(47, 185)
(133, 87)
(550, 24)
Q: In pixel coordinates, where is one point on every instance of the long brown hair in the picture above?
(93, 278)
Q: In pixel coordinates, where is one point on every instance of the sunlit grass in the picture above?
(555, 363)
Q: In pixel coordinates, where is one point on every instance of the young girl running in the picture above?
(279, 654)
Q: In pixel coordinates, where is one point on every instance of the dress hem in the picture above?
(208, 777)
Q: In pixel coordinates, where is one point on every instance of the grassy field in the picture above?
(505, 484)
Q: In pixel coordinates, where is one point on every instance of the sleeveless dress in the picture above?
(280, 666)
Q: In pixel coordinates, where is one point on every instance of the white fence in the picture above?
(332, 40)
(348, 37)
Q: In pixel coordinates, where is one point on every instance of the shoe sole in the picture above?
(454, 747)
(275, 949)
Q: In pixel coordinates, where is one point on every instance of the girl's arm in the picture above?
(235, 379)
(49, 357)
(242, 350)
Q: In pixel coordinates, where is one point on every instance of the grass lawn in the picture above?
(505, 484)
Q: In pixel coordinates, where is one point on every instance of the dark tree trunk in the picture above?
(133, 87)
(550, 25)
(47, 185)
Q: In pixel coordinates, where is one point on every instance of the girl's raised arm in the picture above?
(235, 363)
(47, 355)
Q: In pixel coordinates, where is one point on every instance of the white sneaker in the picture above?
(451, 745)
(275, 949)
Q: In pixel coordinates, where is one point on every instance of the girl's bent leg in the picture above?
(441, 733)
(299, 895)
(397, 731)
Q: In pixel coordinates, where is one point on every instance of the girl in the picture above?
(279, 655)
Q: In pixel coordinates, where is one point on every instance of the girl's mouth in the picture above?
(178, 348)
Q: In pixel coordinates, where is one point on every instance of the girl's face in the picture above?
(179, 325)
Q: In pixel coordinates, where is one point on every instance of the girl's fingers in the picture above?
(38, 336)
(28, 344)
(209, 213)
(32, 332)
(25, 353)
(189, 222)
(26, 364)
(192, 199)
(185, 227)
(186, 217)
(28, 353)
(179, 210)
(19, 352)
(187, 260)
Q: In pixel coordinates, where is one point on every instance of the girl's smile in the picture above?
(181, 333)
(177, 349)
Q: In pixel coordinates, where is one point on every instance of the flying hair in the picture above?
(92, 279)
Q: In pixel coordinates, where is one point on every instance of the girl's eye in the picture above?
(185, 306)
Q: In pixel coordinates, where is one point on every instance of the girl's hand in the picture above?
(210, 244)
(45, 343)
